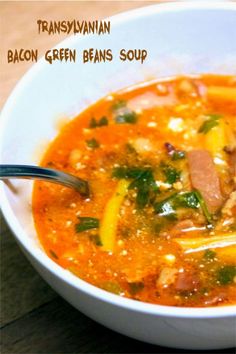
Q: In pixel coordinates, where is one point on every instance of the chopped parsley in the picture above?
(135, 287)
(145, 185)
(118, 104)
(204, 208)
(211, 122)
(98, 123)
(143, 182)
(130, 149)
(225, 275)
(172, 175)
(209, 254)
(95, 239)
(187, 200)
(92, 143)
(126, 117)
(166, 207)
(169, 206)
(178, 155)
(127, 172)
(122, 114)
(53, 254)
(86, 223)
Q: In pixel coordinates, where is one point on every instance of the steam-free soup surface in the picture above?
(160, 223)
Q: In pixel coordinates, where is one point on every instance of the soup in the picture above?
(159, 225)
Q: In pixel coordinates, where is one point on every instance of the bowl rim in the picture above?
(39, 255)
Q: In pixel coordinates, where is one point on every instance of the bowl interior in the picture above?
(179, 39)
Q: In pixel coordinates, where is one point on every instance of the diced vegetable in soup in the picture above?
(160, 223)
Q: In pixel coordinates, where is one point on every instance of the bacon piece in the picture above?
(149, 100)
(233, 162)
(186, 282)
(187, 88)
(205, 178)
(184, 225)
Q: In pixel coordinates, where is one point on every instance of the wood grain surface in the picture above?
(34, 319)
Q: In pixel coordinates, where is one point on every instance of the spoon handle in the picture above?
(47, 174)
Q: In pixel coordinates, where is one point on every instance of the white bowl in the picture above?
(180, 38)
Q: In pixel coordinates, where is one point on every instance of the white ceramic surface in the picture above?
(180, 38)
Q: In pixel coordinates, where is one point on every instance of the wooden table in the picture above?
(34, 319)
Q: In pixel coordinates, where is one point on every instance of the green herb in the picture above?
(143, 182)
(142, 198)
(158, 224)
(95, 239)
(187, 200)
(130, 149)
(103, 121)
(142, 185)
(123, 114)
(92, 143)
(135, 287)
(209, 254)
(171, 173)
(203, 207)
(53, 254)
(145, 185)
(157, 227)
(225, 275)
(93, 123)
(192, 200)
(112, 287)
(118, 104)
(211, 122)
(98, 123)
(126, 117)
(178, 155)
(204, 291)
(168, 206)
(86, 223)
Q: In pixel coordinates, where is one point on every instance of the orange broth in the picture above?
(169, 236)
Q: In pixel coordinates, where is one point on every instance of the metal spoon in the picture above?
(47, 174)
